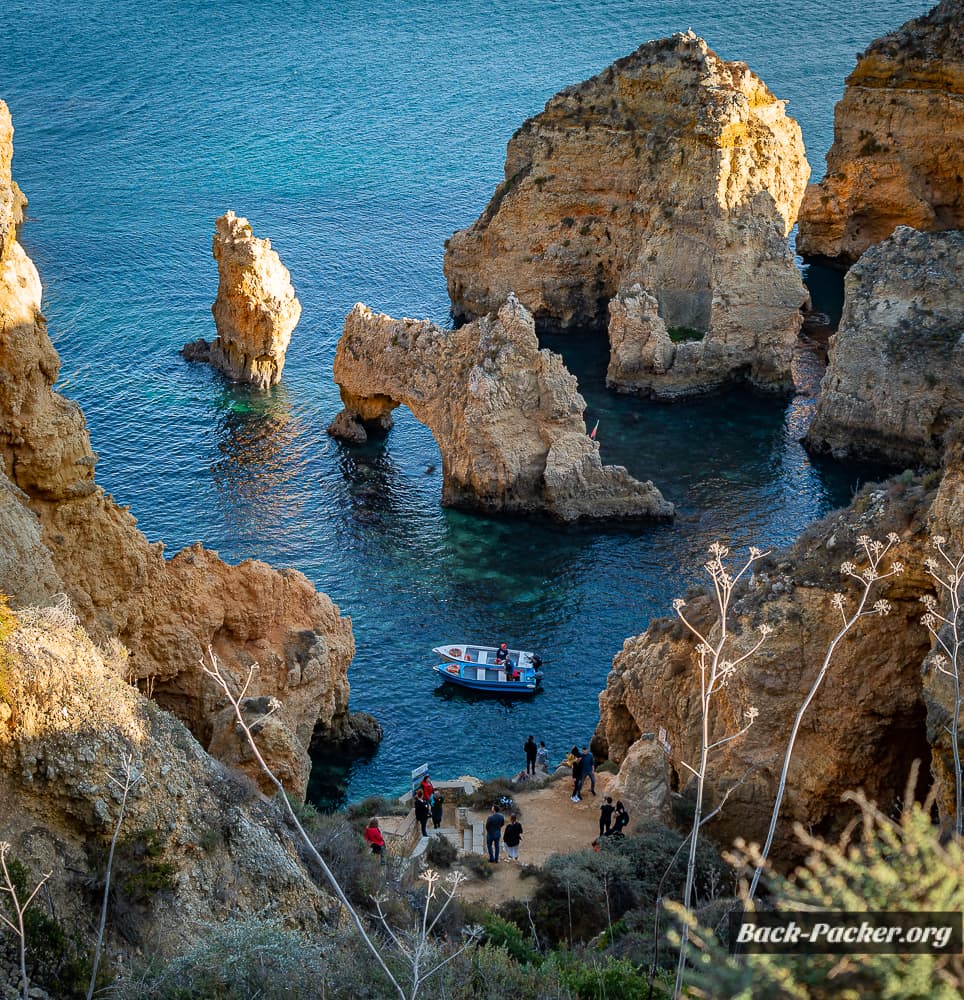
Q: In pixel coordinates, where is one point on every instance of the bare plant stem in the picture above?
(19, 909)
(215, 672)
(869, 577)
(131, 776)
(715, 668)
(948, 574)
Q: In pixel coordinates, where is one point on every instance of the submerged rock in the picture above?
(673, 172)
(507, 417)
(898, 136)
(255, 310)
(894, 386)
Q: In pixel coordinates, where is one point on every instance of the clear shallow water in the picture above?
(358, 137)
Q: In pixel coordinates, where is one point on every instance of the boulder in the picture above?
(672, 174)
(507, 416)
(898, 135)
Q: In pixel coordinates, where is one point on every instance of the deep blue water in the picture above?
(358, 137)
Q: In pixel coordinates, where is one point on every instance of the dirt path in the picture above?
(551, 824)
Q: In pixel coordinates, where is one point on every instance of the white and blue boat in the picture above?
(475, 668)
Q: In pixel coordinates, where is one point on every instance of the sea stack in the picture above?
(894, 390)
(255, 310)
(60, 533)
(898, 135)
(507, 416)
(671, 177)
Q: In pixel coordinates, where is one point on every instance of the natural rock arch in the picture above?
(507, 416)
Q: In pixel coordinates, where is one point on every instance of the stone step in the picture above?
(478, 837)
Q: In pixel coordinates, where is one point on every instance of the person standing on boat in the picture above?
(493, 833)
(531, 752)
(512, 837)
(421, 810)
(542, 756)
(502, 654)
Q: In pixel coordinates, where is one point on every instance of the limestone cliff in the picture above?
(671, 170)
(507, 417)
(255, 310)
(198, 844)
(894, 386)
(898, 135)
(869, 720)
(167, 612)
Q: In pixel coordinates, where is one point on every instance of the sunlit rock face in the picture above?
(876, 711)
(671, 171)
(212, 846)
(255, 310)
(507, 416)
(168, 612)
(894, 386)
(898, 135)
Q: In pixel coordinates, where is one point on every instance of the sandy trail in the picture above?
(551, 824)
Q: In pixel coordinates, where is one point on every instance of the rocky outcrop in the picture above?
(507, 417)
(893, 388)
(898, 135)
(673, 171)
(868, 721)
(197, 844)
(255, 309)
(167, 612)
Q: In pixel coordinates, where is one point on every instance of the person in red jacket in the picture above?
(373, 837)
(428, 789)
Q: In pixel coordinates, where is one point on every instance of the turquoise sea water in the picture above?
(358, 137)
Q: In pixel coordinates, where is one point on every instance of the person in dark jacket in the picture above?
(493, 833)
(576, 755)
(435, 805)
(421, 810)
(531, 750)
(588, 769)
(606, 816)
(512, 836)
(620, 820)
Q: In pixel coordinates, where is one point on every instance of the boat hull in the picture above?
(461, 652)
(467, 677)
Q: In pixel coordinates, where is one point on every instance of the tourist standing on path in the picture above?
(576, 774)
(620, 820)
(373, 837)
(436, 806)
(531, 750)
(542, 756)
(512, 837)
(606, 816)
(421, 810)
(428, 789)
(588, 768)
(493, 833)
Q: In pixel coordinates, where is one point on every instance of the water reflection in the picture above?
(261, 463)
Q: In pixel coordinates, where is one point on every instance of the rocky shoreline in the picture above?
(682, 259)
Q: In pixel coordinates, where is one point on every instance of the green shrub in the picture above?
(604, 979)
(899, 866)
(498, 791)
(501, 933)
(679, 334)
(441, 852)
(141, 872)
(477, 865)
